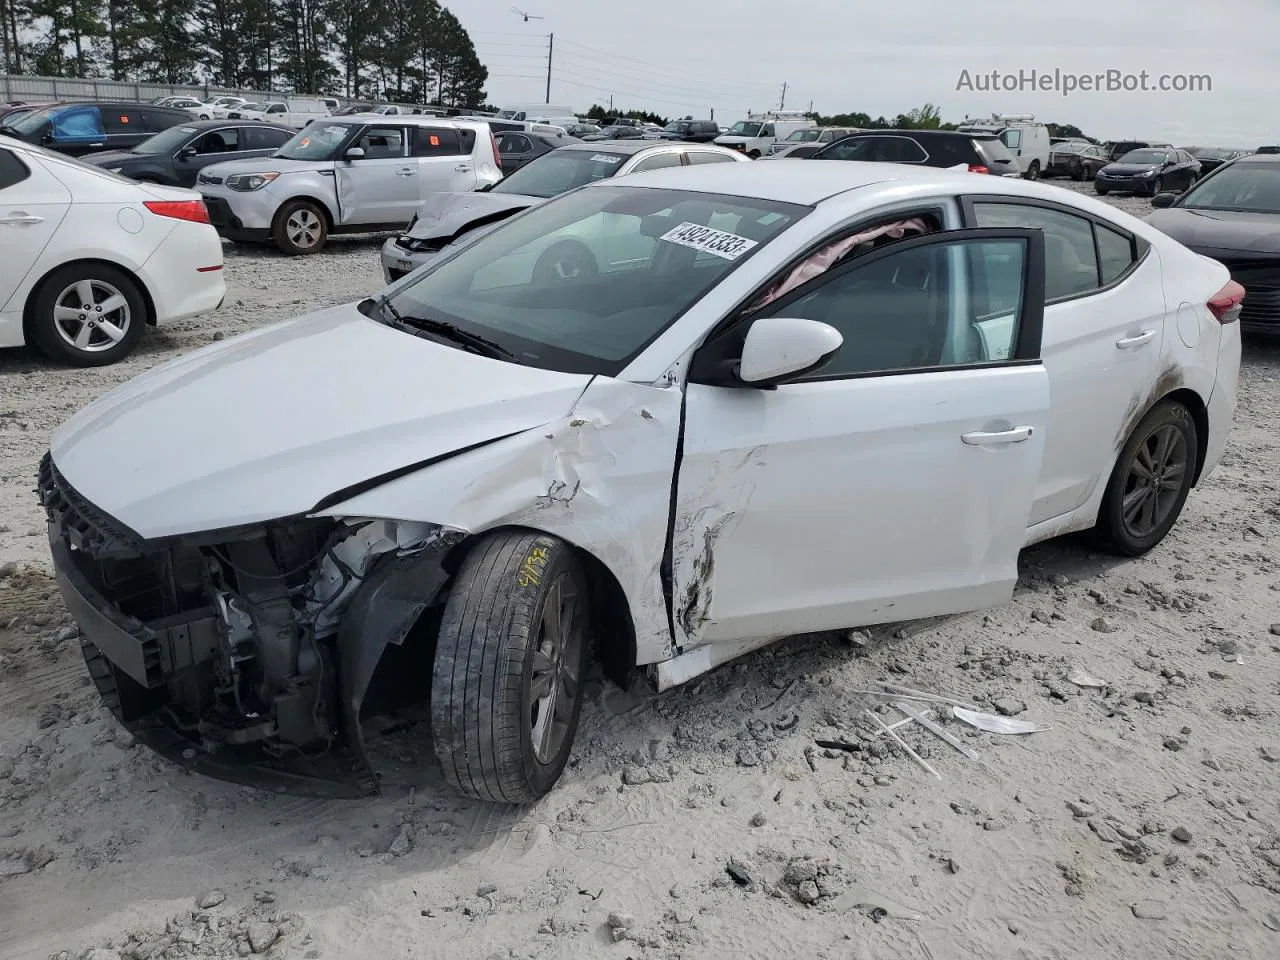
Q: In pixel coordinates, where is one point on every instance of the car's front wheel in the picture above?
(1151, 480)
(506, 688)
(1099, 189)
(88, 315)
(300, 228)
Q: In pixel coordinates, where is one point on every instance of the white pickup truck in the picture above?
(294, 113)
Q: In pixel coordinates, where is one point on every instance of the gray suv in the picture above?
(347, 175)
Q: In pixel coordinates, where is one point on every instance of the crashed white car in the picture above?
(749, 401)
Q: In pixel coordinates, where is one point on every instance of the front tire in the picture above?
(1150, 482)
(1157, 186)
(1033, 171)
(1099, 189)
(507, 681)
(88, 315)
(300, 228)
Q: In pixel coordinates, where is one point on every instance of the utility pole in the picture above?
(551, 45)
(782, 102)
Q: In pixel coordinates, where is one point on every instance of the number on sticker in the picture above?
(720, 243)
(530, 572)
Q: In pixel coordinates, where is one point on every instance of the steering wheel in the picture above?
(565, 260)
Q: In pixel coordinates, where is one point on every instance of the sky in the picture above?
(688, 57)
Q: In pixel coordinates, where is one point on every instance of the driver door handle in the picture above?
(406, 172)
(21, 220)
(1128, 343)
(981, 439)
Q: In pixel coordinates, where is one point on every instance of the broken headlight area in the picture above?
(221, 649)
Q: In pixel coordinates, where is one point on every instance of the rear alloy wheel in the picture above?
(300, 228)
(88, 315)
(506, 688)
(1150, 482)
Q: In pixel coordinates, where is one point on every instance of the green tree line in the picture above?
(408, 50)
(927, 117)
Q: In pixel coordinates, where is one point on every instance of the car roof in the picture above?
(952, 134)
(634, 146)
(1257, 158)
(244, 122)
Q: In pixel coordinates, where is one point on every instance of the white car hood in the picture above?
(261, 164)
(269, 424)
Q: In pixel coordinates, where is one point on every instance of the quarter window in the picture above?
(657, 162)
(1071, 263)
(706, 156)
(12, 170)
(899, 150)
(908, 310)
(1115, 253)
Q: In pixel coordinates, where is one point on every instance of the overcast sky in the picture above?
(682, 57)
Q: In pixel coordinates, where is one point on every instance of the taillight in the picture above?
(193, 211)
(978, 168)
(1227, 303)
(493, 144)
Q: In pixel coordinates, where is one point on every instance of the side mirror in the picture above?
(354, 153)
(778, 349)
(1166, 199)
(186, 153)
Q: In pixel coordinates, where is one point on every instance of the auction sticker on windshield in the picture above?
(730, 246)
(604, 158)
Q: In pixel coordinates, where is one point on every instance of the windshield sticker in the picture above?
(721, 243)
(336, 131)
(605, 158)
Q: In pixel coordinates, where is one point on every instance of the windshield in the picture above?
(559, 171)
(28, 122)
(1145, 156)
(678, 126)
(584, 282)
(804, 136)
(745, 128)
(1245, 187)
(316, 141)
(167, 141)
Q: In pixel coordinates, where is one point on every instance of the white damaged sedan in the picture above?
(659, 423)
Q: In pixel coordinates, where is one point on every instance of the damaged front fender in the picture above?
(599, 478)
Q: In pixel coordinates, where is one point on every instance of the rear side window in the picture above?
(855, 148)
(991, 149)
(900, 150)
(950, 151)
(156, 120)
(435, 142)
(116, 120)
(12, 170)
(1071, 263)
(657, 162)
(264, 138)
(706, 156)
(1115, 253)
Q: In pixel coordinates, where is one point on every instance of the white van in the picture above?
(532, 111)
(1027, 140)
(756, 135)
(294, 113)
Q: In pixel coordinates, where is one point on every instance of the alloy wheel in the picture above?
(303, 228)
(553, 684)
(91, 315)
(1156, 475)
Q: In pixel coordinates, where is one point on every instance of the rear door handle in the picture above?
(981, 439)
(462, 167)
(1129, 343)
(21, 220)
(406, 172)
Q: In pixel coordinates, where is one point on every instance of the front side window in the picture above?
(1071, 264)
(585, 282)
(276, 108)
(1012, 139)
(381, 143)
(939, 304)
(745, 128)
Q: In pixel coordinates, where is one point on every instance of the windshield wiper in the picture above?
(447, 331)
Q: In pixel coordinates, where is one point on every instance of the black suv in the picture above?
(79, 128)
(981, 153)
(691, 131)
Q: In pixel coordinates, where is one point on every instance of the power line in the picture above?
(653, 66)
(647, 80)
(694, 94)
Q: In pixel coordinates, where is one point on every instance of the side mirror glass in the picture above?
(1165, 199)
(778, 349)
(354, 153)
(186, 153)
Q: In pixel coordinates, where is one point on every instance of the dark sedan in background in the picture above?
(979, 152)
(1211, 158)
(1076, 159)
(1233, 216)
(617, 132)
(176, 156)
(1148, 171)
(517, 149)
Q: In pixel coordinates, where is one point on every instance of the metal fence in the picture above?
(39, 89)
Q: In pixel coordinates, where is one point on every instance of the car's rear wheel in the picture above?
(754, 154)
(1079, 173)
(1033, 171)
(1150, 482)
(507, 681)
(88, 315)
(300, 228)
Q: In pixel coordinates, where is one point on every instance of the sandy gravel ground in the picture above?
(705, 823)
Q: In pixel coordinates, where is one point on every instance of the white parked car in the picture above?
(354, 174)
(90, 258)
(219, 107)
(803, 397)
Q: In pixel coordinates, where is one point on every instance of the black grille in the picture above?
(84, 526)
(420, 245)
(210, 178)
(395, 274)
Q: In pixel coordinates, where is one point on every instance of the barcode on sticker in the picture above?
(730, 246)
(604, 158)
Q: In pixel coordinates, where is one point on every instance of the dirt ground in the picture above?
(704, 823)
